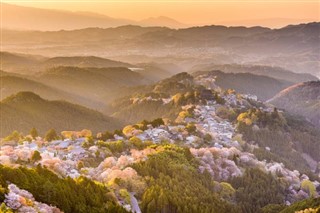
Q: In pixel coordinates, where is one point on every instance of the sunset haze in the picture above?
(272, 14)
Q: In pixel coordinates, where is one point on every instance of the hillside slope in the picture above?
(83, 61)
(19, 63)
(302, 99)
(25, 110)
(97, 84)
(162, 99)
(263, 87)
(270, 71)
(13, 84)
(29, 64)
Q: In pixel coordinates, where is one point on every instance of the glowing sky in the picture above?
(190, 11)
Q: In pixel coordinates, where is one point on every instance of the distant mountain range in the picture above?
(84, 61)
(96, 82)
(270, 71)
(162, 21)
(26, 109)
(294, 47)
(89, 81)
(274, 22)
(26, 63)
(29, 18)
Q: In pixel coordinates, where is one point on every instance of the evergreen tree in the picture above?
(51, 135)
(34, 133)
(36, 156)
(14, 136)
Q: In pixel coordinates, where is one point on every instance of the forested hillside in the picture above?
(25, 110)
(209, 150)
(301, 99)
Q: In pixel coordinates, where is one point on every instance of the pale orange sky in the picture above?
(189, 11)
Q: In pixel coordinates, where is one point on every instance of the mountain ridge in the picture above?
(264, 87)
(292, 48)
(302, 99)
(38, 18)
(26, 109)
(28, 64)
